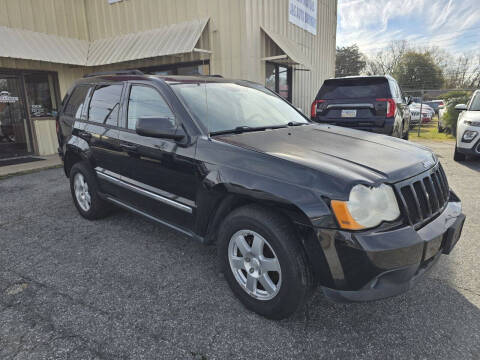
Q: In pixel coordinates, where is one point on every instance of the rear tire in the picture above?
(407, 134)
(84, 188)
(291, 281)
(458, 156)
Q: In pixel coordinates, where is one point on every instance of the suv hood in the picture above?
(358, 155)
(471, 116)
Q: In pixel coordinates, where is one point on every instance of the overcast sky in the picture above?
(372, 24)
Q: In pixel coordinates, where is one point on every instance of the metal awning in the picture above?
(173, 39)
(31, 45)
(293, 55)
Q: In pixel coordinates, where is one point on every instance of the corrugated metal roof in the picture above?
(168, 40)
(31, 45)
(289, 47)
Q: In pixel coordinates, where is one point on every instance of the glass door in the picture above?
(278, 78)
(14, 131)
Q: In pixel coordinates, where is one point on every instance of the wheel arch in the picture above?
(228, 201)
(72, 156)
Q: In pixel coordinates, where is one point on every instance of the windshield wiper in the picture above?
(292, 123)
(242, 129)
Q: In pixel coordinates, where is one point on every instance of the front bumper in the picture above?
(376, 265)
(472, 148)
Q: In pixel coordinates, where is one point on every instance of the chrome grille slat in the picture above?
(417, 202)
(431, 210)
(444, 181)
(434, 199)
(437, 188)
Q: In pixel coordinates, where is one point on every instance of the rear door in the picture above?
(355, 102)
(100, 131)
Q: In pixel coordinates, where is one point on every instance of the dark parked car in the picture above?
(369, 103)
(435, 104)
(290, 204)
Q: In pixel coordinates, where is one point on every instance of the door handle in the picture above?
(84, 135)
(129, 147)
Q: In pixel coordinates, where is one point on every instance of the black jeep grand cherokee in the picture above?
(290, 204)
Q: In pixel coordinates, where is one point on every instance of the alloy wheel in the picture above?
(80, 186)
(254, 265)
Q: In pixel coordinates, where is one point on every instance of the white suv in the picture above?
(468, 129)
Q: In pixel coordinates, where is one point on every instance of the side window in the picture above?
(105, 104)
(393, 89)
(400, 93)
(145, 101)
(75, 104)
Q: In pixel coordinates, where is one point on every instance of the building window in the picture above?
(278, 78)
(41, 95)
(195, 68)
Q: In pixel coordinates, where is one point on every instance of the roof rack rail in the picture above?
(207, 75)
(116, 72)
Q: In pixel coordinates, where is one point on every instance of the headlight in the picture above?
(472, 123)
(469, 135)
(366, 207)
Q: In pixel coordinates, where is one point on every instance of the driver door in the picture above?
(161, 173)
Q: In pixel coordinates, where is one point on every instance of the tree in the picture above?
(463, 72)
(350, 61)
(453, 98)
(386, 60)
(417, 70)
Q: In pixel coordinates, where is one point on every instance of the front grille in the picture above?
(424, 196)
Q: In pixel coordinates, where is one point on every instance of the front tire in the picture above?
(84, 189)
(263, 261)
(458, 156)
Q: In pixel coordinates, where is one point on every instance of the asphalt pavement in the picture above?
(125, 288)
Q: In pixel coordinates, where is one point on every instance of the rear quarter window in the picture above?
(353, 89)
(76, 101)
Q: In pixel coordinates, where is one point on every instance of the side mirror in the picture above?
(159, 128)
(461, 107)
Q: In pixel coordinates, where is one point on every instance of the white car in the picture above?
(442, 109)
(427, 113)
(468, 129)
(425, 107)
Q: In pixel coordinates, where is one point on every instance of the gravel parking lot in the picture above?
(124, 288)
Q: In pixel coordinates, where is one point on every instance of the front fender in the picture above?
(309, 207)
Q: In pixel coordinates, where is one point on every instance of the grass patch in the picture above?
(430, 132)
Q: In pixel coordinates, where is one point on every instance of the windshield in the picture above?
(221, 107)
(475, 105)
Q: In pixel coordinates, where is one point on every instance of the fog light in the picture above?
(469, 135)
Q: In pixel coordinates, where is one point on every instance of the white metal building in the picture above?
(287, 45)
